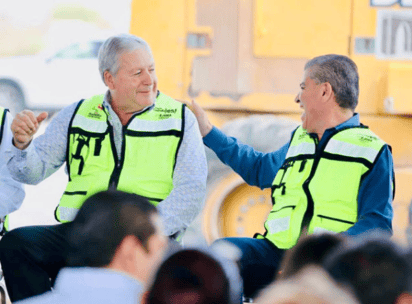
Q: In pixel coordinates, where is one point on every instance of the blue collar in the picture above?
(351, 122)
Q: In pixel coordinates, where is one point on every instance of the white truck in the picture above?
(51, 80)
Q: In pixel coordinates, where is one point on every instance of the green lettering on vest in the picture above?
(150, 145)
(318, 189)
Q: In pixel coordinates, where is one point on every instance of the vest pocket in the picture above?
(284, 221)
(281, 219)
(325, 223)
(281, 177)
(299, 172)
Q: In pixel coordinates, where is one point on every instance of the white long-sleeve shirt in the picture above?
(47, 153)
(11, 191)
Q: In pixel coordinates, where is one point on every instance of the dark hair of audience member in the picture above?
(376, 268)
(310, 285)
(189, 276)
(310, 250)
(101, 224)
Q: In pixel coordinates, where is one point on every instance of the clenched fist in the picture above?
(24, 126)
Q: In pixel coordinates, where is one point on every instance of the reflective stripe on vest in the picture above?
(151, 141)
(318, 189)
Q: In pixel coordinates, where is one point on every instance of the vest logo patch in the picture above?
(301, 136)
(165, 110)
(165, 116)
(366, 138)
(95, 114)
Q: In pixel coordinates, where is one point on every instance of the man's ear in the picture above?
(327, 91)
(109, 80)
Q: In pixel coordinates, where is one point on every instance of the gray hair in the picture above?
(342, 74)
(114, 47)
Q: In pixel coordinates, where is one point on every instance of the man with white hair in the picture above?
(133, 138)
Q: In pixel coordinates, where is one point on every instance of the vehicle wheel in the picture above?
(232, 207)
(11, 97)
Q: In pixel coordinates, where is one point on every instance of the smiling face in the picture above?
(134, 87)
(309, 98)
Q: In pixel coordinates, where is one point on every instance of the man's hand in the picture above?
(24, 126)
(205, 125)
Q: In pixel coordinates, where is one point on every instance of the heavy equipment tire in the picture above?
(11, 96)
(232, 207)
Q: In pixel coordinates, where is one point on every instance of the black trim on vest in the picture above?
(335, 219)
(140, 113)
(363, 161)
(308, 215)
(79, 131)
(2, 123)
(299, 157)
(153, 199)
(118, 164)
(75, 192)
(284, 207)
(305, 186)
(285, 167)
(68, 143)
(68, 151)
(55, 213)
(272, 188)
(181, 135)
(373, 165)
(154, 134)
(319, 152)
(287, 160)
(393, 174)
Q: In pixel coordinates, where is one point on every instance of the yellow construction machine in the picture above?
(243, 60)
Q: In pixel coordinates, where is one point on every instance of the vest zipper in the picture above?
(310, 208)
(114, 178)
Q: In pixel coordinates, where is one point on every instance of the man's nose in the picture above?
(148, 79)
(297, 98)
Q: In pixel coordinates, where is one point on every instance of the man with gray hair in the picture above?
(334, 175)
(133, 138)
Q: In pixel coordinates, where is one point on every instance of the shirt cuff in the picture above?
(19, 154)
(214, 138)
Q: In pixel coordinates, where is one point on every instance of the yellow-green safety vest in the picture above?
(3, 112)
(151, 140)
(317, 187)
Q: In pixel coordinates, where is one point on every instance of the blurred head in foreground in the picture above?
(310, 250)
(189, 276)
(117, 230)
(375, 267)
(311, 285)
